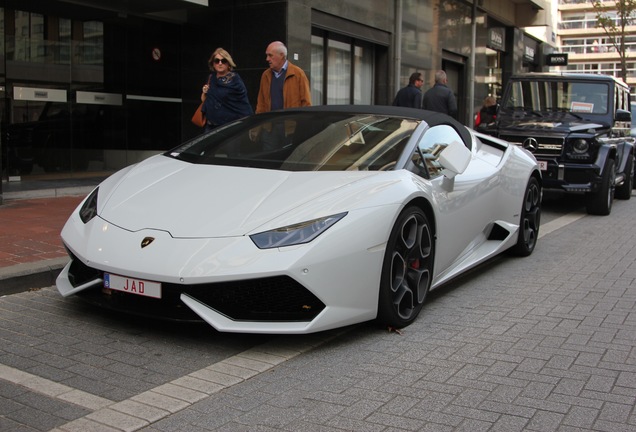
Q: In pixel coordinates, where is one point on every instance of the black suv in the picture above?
(578, 128)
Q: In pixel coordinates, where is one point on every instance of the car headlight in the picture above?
(300, 233)
(89, 209)
(580, 146)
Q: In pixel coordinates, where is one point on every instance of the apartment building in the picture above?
(588, 47)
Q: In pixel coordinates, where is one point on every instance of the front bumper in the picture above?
(570, 177)
(228, 282)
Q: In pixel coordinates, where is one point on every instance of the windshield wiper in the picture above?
(567, 111)
(526, 110)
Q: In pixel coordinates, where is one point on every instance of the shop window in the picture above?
(53, 40)
(338, 73)
(92, 45)
(342, 70)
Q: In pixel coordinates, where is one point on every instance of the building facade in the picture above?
(90, 86)
(588, 47)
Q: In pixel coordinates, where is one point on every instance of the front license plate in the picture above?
(132, 286)
(543, 165)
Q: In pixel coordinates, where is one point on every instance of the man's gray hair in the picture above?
(280, 47)
(440, 76)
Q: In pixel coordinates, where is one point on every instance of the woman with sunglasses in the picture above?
(224, 96)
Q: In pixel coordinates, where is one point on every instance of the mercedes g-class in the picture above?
(578, 128)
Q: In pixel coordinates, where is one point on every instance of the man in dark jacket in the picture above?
(411, 95)
(439, 97)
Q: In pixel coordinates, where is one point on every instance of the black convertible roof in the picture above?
(430, 117)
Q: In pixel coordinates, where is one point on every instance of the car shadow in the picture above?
(562, 202)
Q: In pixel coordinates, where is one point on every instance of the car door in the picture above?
(464, 202)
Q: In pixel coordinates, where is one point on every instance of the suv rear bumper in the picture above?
(571, 177)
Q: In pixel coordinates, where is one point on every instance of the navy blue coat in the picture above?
(226, 99)
(409, 96)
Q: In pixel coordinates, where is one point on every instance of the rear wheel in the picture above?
(530, 220)
(407, 269)
(600, 203)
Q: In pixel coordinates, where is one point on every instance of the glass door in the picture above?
(38, 130)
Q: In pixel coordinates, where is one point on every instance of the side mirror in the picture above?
(454, 159)
(623, 115)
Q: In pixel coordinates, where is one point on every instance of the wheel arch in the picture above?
(427, 208)
(627, 150)
(537, 175)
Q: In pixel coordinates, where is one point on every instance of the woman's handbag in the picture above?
(199, 118)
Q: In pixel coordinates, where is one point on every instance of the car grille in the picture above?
(278, 298)
(546, 146)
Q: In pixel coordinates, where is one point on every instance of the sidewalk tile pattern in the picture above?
(30, 229)
(544, 343)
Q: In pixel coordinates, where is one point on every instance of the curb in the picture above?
(23, 277)
(48, 193)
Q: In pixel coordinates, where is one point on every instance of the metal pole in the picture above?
(471, 66)
(397, 46)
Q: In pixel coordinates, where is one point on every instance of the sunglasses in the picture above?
(219, 60)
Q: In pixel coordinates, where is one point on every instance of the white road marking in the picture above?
(155, 404)
(553, 225)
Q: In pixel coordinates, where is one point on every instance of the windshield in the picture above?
(303, 141)
(558, 96)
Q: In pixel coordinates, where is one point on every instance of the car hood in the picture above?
(203, 201)
(545, 125)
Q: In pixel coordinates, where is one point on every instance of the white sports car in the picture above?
(303, 220)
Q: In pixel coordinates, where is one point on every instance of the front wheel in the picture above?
(407, 269)
(530, 220)
(600, 203)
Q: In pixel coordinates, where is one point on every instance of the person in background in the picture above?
(411, 95)
(283, 85)
(439, 97)
(224, 96)
(487, 114)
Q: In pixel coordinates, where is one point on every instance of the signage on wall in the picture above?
(560, 59)
(39, 94)
(528, 53)
(95, 98)
(530, 50)
(497, 38)
(156, 54)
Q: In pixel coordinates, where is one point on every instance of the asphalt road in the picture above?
(540, 343)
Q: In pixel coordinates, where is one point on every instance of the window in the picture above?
(338, 73)
(50, 40)
(342, 70)
(363, 75)
(317, 62)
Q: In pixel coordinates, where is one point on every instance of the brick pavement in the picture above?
(30, 229)
(545, 343)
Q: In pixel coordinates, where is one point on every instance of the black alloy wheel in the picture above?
(530, 220)
(407, 269)
(600, 203)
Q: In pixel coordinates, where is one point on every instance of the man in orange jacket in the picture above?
(283, 85)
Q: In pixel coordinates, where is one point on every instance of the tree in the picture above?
(613, 17)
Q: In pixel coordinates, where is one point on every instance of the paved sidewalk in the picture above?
(544, 343)
(31, 251)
